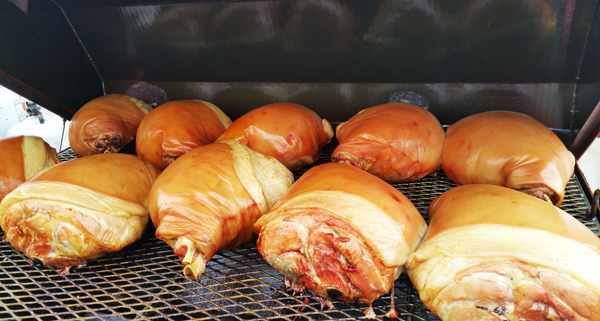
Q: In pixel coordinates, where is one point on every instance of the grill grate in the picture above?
(145, 280)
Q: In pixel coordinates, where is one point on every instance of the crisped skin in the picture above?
(341, 233)
(493, 253)
(210, 198)
(396, 142)
(292, 134)
(177, 127)
(22, 157)
(508, 149)
(106, 124)
(78, 211)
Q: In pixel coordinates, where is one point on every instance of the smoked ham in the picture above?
(177, 127)
(508, 149)
(21, 158)
(492, 253)
(106, 124)
(396, 142)
(291, 133)
(341, 233)
(80, 210)
(210, 198)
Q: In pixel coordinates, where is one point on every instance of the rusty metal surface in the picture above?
(145, 281)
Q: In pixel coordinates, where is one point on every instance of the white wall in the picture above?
(590, 164)
(14, 121)
(8, 114)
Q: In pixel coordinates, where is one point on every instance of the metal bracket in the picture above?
(591, 213)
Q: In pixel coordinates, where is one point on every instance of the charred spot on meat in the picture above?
(108, 144)
(500, 310)
(116, 142)
(101, 145)
(334, 294)
(482, 308)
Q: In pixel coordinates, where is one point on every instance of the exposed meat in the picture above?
(210, 199)
(106, 124)
(508, 149)
(175, 128)
(110, 143)
(543, 193)
(21, 158)
(292, 134)
(396, 142)
(492, 253)
(341, 233)
(78, 211)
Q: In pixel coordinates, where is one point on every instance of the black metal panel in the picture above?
(468, 55)
(589, 90)
(391, 41)
(39, 51)
(590, 69)
(120, 3)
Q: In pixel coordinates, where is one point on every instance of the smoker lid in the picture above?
(337, 57)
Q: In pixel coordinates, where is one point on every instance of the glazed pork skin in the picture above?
(291, 133)
(210, 198)
(341, 233)
(21, 158)
(80, 210)
(508, 149)
(492, 253)
(396, 142)
(177, 127)
(106, 124)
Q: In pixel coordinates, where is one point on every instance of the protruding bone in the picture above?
(194, 261)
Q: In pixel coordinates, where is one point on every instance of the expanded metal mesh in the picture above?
(145, 280)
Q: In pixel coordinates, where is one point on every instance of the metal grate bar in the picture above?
(145, 280)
